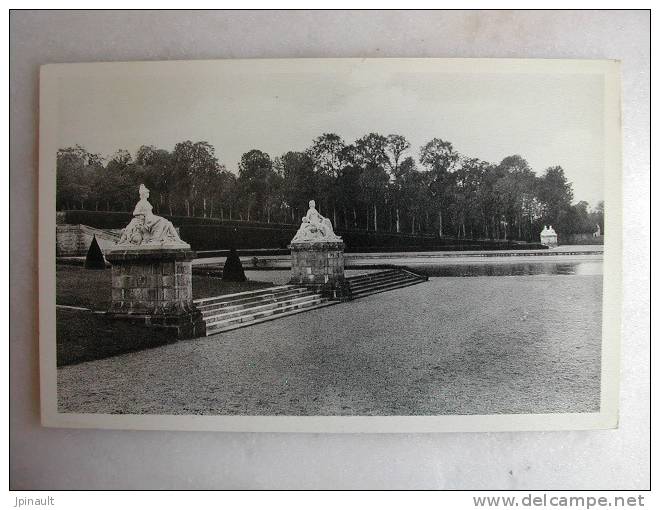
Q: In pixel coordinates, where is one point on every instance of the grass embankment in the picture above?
(84, 336)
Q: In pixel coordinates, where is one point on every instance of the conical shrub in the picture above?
(95, 259)
(233, 270)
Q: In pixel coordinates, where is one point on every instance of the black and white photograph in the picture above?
(330, 244)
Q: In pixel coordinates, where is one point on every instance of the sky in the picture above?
(549, 118)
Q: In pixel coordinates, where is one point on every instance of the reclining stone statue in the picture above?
(315, 228)
(148, 230)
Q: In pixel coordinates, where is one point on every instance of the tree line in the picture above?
(373, 183)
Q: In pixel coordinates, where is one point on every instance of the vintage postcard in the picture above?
(330, 245)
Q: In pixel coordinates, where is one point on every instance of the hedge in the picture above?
(215, 234)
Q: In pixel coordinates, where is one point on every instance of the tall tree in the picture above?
(254, 175)
(192, 164)
(394, 149)
(516, 189)
(75, 169)
(398, 191)
(370, 156)
(125, 177)
(328, 154)
(158, 175)
(555, 194)
(299, 182)
(439, 158)
(395, 146)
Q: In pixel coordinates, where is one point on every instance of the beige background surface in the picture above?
(49, 458)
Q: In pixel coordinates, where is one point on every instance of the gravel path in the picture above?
(477, 345)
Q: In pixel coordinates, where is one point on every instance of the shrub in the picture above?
(94, 259)
(233, 270)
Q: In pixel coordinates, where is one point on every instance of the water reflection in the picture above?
(530, 269)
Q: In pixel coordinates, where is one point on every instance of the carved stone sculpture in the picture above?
(152, 274)
(317, 256)
(315, 228)
(148, 230)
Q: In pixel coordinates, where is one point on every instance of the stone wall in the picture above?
(75, 240)
(69, 241)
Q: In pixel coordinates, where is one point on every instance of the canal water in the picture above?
(586, 268)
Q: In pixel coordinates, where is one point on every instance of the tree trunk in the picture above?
(204, 207)
(375, 219)
(440, 222)
(334, 216)
(398, 221)
(354, 217)
(413, 224)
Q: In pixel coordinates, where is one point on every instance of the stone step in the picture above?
(384, 288)
(372, 276)
(379, 276)
(357, 286)
(211, 319)
(262, 316)
(231, 327)
(241, 295)
(373, 282)
(415, 275)
(247, 301)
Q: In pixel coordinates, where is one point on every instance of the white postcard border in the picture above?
(612, 279)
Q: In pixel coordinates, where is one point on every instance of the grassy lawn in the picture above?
(85, 336)
(481, 345)
(77, 286)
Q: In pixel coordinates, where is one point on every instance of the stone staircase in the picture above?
(382, 281)
(232, 311)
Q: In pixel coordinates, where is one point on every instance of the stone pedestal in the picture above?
(154, 285)
(319, 265)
